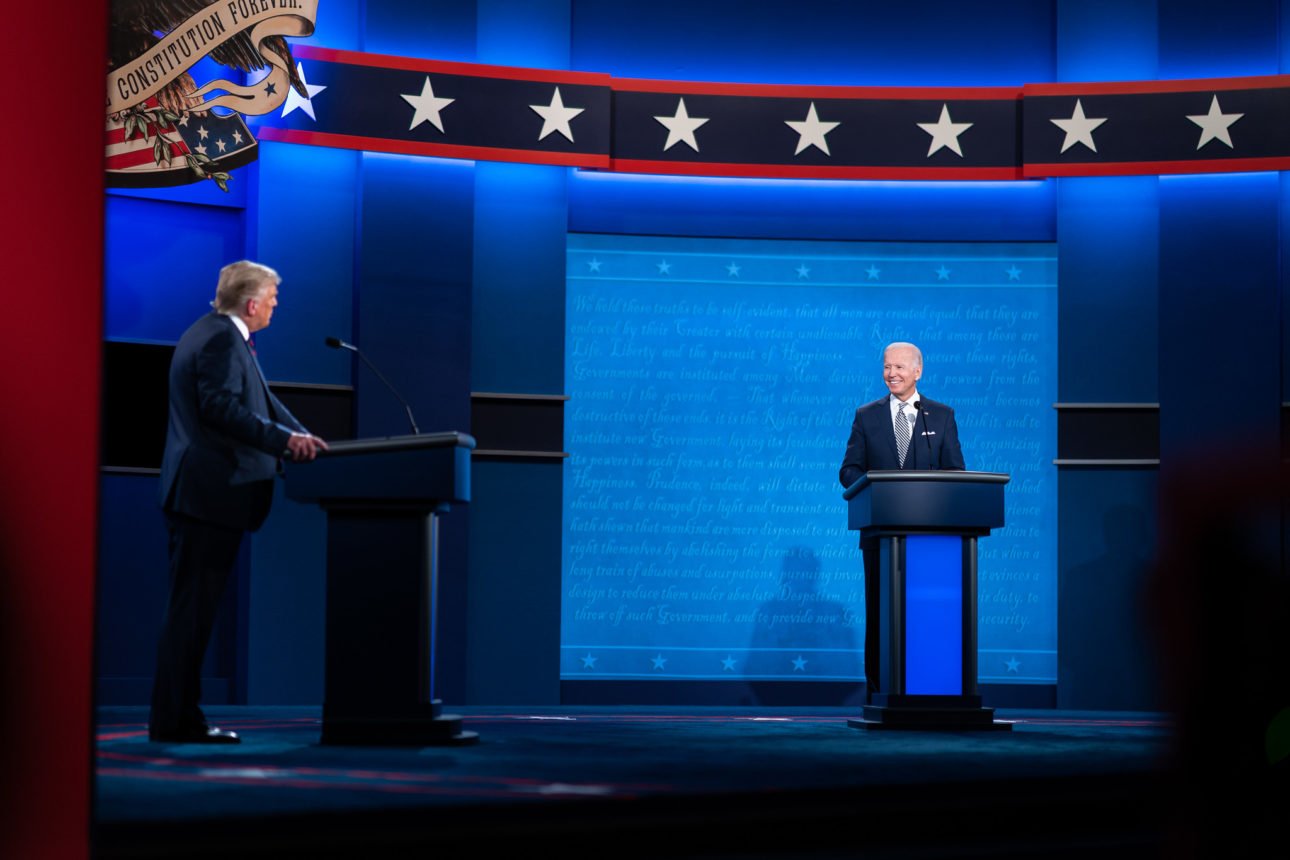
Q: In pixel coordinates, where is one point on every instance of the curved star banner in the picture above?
(590, 120)
(1196, 126)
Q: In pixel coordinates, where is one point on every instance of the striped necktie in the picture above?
(902, 433)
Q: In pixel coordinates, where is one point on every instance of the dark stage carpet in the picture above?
(657, 782)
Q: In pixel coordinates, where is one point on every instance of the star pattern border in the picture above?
(684, 133)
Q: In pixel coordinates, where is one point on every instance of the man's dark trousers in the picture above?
(202, 555)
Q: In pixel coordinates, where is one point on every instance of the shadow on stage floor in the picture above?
(615, 782)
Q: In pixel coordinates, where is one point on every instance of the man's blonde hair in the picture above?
(240, 282)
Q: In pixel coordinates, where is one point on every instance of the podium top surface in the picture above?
(939, 475)
(446, 439)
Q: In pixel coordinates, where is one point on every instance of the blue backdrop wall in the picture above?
(451, 274)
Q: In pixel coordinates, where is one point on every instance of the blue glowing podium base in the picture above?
(924, 526)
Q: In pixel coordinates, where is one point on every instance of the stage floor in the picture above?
(613, 782)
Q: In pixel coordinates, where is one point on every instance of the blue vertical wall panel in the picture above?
(1107, 659)
(517, 346)
(1201, 39)
(1108, 233)
(523, 33)
(1220, 325)
(162, 262)
(513, 634)
(521, 219)
(412, 318)
(304, 228)
(934, 43)
(435, 29)
(1108, 236)
(1106, 40)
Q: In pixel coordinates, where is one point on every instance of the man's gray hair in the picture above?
(239, 282)
(900, 344)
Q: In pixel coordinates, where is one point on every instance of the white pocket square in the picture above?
(929, 433)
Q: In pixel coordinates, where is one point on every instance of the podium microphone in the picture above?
(918, 407)
(337, 343)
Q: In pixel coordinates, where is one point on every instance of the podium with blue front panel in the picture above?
(927, 524)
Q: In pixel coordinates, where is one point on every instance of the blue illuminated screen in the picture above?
(712, 386)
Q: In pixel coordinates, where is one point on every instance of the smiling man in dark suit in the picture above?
(225, 439)
(902, 430)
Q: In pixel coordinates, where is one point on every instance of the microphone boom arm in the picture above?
(337, 343)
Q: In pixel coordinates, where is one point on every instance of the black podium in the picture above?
(926, 525)
(382, 498)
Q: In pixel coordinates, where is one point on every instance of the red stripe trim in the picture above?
(440, 150)
(137, 157)
(1263, 82)
(1133, 168)
(116, 135)
(640, 85)
(792, 171)
(447, 67)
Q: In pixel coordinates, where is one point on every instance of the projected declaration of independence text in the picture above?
(712, 386)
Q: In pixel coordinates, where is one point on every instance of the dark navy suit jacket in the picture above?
(226, 431)
(934, 444)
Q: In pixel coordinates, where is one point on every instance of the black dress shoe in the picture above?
(205, 735)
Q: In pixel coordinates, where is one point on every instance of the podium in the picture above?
(925, 525)
(382, 498)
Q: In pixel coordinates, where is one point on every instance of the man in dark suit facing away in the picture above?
(902, 430)
(226, 436)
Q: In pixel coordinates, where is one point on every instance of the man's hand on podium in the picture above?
(304, 446)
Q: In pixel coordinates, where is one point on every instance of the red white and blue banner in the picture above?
(165, 128)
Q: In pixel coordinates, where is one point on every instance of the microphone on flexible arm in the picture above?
(918, 407)
(337, 343)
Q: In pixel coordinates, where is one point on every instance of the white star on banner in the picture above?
(237, 137)
(426, 106)
(295, 100)
(221, 145)
(1079, 128)
(556, 117)
(1214, 125)
(733, 270)
(944, 132)
(680, 127)
(811, 131)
